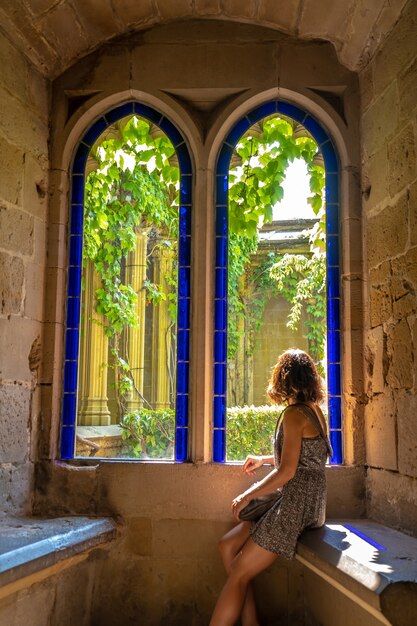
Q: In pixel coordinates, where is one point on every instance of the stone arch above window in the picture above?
(70, 401)
(332, 200)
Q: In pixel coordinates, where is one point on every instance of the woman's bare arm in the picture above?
(293, 424)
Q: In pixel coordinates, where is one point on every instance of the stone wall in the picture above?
(64, 598)
(389, 106)
(23, 188)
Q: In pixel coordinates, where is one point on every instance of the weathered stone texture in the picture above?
(407, 90)
(14, 420)
(35, 185)
(404, 268)
(375, 178)
(11, 173)
(175, 9)
(392, 499)
(282, 14)
(61, 24)
(375, 361)
(407, 434)
(207, 7)
(11, 284)
(133, 12)
(412, 205)
(402, 160)
(16, 488)
(16, 338)
(237, 8)
(387, 232)
(398, 50)
(98, 19)
(400, 356)
(380, 304)
(380, 432)
(16, 231)
(14, 74)
(380, 121)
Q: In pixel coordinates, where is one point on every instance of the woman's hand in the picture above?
(238, 504)
(252, 463)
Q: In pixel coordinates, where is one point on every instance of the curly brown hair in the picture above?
(295, 376)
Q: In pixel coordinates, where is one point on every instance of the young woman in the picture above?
(301, 449)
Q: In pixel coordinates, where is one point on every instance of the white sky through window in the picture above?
(296, 191)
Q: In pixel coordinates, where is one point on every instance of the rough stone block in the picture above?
(375, 178)
(400, 356)
(412, 213)
(97, 19)
(38, 94)
(283, 15)
(59, 24)
(387, 232)
(207, 7)
(392, 499)
(132, 12)
(319, 21)
(239, 9)
(402, 160)
(11, 284)
(407, 434)
(380, 121)
(404, 267)
(138, 539)
(35, 604)
(16, 231)
(407, 89)
(14, 70)
(11, 172)
(380, 432)
(193, 539)
(398, 50)
(405, 306)
(16, 488)
(14, 420)
(21, 128)
(35, 186)
(17, 335)
(74, 589)
(380, 304)
(376, 360)
(175, 9)
(64, 489)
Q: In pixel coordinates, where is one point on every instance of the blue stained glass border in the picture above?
(75, 243)
(331, 159)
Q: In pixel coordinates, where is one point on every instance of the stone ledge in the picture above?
(373, 565)
(31, 547)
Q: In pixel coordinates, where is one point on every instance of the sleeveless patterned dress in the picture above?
(303, 502)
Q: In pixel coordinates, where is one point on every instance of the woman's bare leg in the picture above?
(249, 562)
(229, 546)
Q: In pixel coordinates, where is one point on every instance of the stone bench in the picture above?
(374, 566)
(32, 549)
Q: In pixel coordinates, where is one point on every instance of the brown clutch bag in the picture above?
(259, 506)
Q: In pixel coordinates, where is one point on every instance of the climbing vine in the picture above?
(257, 172)
(133, 184)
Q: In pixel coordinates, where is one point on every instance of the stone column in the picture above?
(161, 333)
(93, 409)
(135, 277)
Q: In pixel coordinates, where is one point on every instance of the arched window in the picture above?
(333, 360)
(153, 275)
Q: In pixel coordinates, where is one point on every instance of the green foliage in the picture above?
(250, 430)
(255, 186)
(302, 281)
(133, 186)
(150, 432)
